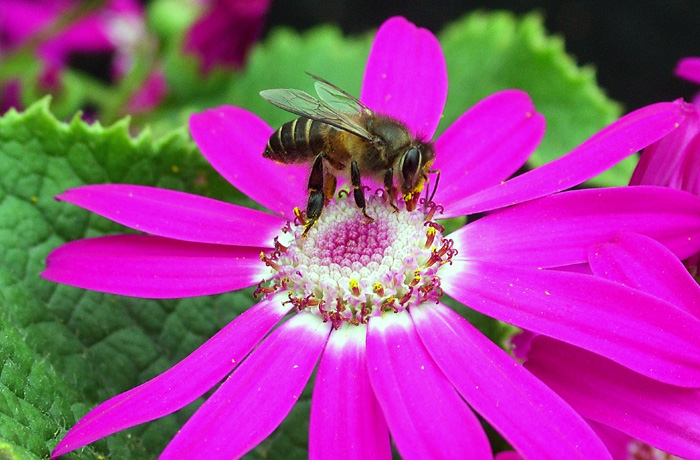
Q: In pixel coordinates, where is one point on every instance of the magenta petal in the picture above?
(257, 397)
(529, 415)
(507, 455)
(628, 326)
(406, 76)
(346, 420)
(154, 267)
(177, 215)
(616, 441)
(486, 145)
(662, 163)
(690, 169)
(689, 68)
(233, 140)
(643, 263)
(621, 139)
(181, 384)
(558, 230)
(664, 416)
(426, 416)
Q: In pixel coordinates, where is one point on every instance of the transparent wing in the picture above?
(337, 98)
(295, 101)
(305, 105)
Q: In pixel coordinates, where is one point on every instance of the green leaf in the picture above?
(66, 349)
(33, 396)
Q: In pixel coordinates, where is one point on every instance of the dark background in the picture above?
(633, 45)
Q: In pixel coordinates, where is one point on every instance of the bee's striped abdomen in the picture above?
(297, 141)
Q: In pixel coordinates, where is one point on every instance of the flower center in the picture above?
(351, 243)
(347, 268)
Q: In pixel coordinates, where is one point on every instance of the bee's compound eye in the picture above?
(410, 164)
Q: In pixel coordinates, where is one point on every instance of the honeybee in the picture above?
(338, 134)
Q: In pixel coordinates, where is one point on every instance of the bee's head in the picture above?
(413, 168)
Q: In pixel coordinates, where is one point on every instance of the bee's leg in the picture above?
(329, 187)
(314, 205)
(389, 187)
(357, 191)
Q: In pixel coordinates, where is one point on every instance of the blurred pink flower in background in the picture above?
(149, 95)
(20, 20)
(117, 27)
(10, 96)
(226, 31)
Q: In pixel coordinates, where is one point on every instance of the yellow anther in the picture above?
(268, 261)
(378, 288)
(416, 278)
(430, 237)
(300, 217)
(355, 287)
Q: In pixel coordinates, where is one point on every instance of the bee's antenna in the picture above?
(427, 191)
(437, 181)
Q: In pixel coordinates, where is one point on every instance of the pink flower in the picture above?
(364, 297)
(645, 407)
(10, 96)
(624, 447)
(20, 20)
(689, 69)
(674, 160)
(507, 455)
(117, 27)
(153, 90)
(226, 32)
